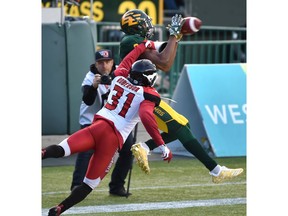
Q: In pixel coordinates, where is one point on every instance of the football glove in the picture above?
(166, 153)
(175, 27)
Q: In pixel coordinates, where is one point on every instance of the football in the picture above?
(191, 25)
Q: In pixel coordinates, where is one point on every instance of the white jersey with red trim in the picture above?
(122, 106)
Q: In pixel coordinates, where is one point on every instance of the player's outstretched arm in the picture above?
(165, 58)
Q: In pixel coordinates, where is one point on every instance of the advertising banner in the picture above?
(213, 98)
(111, 11)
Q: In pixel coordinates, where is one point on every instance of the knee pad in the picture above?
(92, 183)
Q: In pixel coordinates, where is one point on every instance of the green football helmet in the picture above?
(137, 22)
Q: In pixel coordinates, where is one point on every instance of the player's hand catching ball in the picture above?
(175, 27)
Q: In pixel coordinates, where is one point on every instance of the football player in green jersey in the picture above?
(137, 26)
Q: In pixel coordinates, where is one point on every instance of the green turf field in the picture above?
(168, 187)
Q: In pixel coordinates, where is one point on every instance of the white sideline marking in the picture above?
(155, 187)
(151, 206)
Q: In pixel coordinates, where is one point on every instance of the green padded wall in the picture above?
(67, 52)
(80, 55)
(54, 86)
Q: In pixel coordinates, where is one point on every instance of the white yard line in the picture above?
(151, 206)
(154, 187)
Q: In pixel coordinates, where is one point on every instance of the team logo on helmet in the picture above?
(131, 19)
(137, 22)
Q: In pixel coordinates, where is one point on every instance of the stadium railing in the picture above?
(211, 44)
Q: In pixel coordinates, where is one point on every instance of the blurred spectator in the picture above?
(172, 7)
(174, 4)
(239, 54)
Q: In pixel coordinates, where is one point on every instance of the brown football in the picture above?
(191, 25)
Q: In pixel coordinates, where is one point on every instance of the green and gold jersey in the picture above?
(128, 43)
(167, 118)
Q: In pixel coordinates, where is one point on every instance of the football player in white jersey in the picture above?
(130, 101)
(94, 88)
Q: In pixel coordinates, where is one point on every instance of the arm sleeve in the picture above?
(124, 68)
(148, 119)
(89, 94)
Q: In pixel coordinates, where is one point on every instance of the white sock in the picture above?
(216, 171)
(143, 144)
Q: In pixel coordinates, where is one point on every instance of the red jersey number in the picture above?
(115, 101)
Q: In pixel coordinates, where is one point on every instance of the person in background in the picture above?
(174, 4)
(95, 88)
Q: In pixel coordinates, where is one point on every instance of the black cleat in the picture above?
(121, 193)
(55, 211)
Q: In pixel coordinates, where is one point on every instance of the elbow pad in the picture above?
(160, 46)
